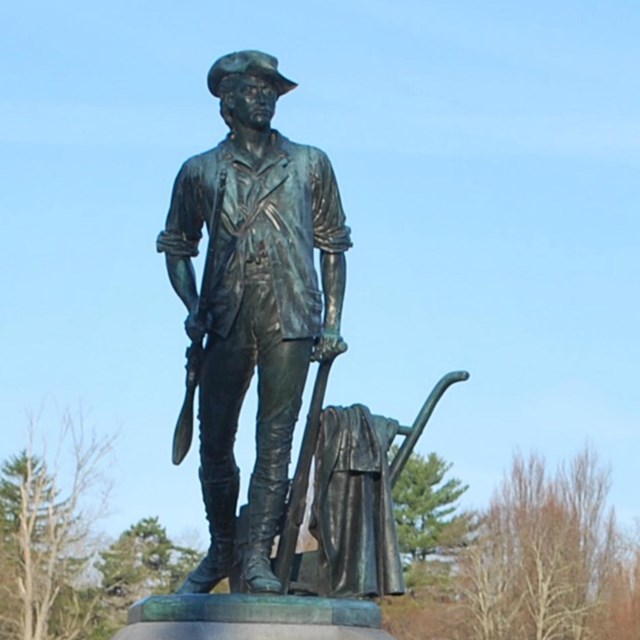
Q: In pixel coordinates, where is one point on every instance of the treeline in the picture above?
(58, 581)
(544, 561)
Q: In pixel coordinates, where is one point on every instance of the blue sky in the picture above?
(487, 155)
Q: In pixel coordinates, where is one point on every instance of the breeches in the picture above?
(254, 341)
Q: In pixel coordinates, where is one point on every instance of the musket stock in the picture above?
(183, 433)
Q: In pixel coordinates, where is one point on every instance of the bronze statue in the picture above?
(267, 203)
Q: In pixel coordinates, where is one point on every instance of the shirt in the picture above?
(278, 210)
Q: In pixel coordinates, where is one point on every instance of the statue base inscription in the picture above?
(252, 617)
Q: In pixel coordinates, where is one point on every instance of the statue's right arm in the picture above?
(179, 241)
(183, 280)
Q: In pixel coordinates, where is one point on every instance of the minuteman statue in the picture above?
(264, 309)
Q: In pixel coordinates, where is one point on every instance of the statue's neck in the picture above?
(254, 142)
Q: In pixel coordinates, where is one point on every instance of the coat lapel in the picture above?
(272, 176)
(247, 192)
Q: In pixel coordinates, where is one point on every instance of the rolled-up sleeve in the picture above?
(183, 229)
(330, 233)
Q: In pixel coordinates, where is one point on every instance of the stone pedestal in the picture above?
(252, 617)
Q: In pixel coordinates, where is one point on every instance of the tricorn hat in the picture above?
(255, 63)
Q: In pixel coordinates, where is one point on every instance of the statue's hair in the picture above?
(228, 85)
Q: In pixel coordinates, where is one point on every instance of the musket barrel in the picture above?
(298, 494)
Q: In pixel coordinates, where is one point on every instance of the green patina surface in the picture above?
(256, 609)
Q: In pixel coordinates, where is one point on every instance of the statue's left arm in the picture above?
(333, 237)
(333, 268)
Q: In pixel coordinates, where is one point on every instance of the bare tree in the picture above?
(546, 547)
(592, 543)
(492, 597)
(52, 529)
(621, 619)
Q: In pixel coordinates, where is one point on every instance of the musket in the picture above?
(184, 427)
(298, 494)
(414, 432)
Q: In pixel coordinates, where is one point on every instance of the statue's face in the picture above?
(254, 102)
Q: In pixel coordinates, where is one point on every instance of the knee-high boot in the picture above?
(220, 498)
(266, 506)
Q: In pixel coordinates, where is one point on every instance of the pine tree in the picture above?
(425, 508)
(143, 560)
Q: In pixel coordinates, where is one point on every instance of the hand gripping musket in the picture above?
(184, 427)
(298, 494)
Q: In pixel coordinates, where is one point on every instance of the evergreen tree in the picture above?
(143, 560)
(15, 475)
(425, 508)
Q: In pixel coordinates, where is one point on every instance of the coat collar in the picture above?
(267, 178)
(276, 153)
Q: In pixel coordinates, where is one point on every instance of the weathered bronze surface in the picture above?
(256, 609)
(259, 305)
(352, 515)
(267, 203)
